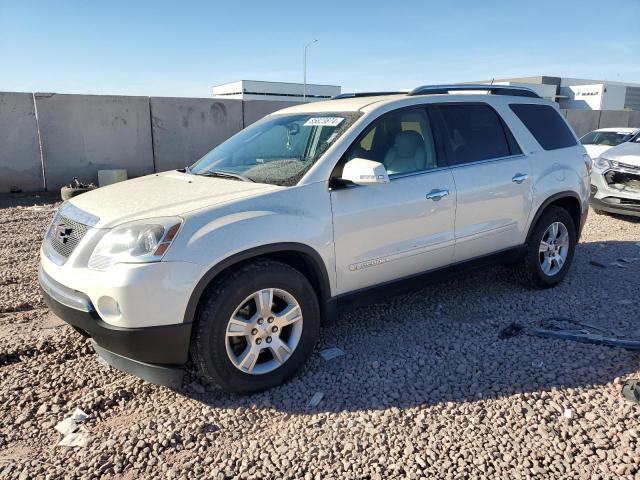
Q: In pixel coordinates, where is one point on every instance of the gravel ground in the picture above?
(426, 387)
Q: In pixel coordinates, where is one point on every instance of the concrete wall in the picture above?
(583, 121)
(254, 110)
(614, 118)
(82, 134)
(20, 164)
(184, 129)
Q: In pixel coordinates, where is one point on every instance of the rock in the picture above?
(590, 416)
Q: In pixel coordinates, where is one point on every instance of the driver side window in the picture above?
(402, 141)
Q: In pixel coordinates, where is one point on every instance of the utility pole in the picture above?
(304, 87)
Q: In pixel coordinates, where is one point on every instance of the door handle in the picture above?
(519, 177)
(436, 195)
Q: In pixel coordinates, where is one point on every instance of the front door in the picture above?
(386, 232)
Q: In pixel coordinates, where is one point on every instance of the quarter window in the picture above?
(545, 124)
(402, 141)
(474, 132)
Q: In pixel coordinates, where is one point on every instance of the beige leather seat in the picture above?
(407, 153)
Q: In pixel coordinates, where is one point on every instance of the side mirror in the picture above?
(365, 172)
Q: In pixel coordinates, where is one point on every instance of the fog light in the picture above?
(109, 308)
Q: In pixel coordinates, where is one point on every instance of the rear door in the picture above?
(492, 178)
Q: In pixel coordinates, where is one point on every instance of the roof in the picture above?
(348, 102)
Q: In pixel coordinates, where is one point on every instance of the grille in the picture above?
(626, 166)
(65, 234)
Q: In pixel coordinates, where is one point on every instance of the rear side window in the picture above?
(474, 132)
(545, 124)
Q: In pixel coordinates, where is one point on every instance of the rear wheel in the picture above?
(550, 249)
(256, 327)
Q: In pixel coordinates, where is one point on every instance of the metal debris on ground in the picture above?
(79, 416)
(631, 390)
(75, 435)
(81, 438)
(565, 329)
(331, 353)
(66, 426)
(597, 264)
(537, 364)
(316, 399)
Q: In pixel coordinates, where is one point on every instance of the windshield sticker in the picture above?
(323, 122)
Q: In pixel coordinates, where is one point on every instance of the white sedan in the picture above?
(601, 140)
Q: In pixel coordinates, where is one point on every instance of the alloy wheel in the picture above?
(554, 248)
(264, 331)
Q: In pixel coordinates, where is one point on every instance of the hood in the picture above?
(163, 195)
(595, 151)
(628, 152)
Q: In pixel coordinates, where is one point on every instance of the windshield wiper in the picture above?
(221, 174)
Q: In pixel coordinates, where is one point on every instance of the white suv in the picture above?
(234, 263)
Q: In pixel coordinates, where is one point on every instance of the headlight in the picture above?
(135, 242)
(602, 163)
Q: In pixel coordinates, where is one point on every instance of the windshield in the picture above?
(277, 150)
(605, 138)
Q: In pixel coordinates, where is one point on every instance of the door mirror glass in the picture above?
(365, 172)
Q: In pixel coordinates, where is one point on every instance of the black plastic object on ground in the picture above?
(75, 188)
(510, 330)
(582, 332)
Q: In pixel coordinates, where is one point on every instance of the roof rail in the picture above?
(367, 94)
(492, 89)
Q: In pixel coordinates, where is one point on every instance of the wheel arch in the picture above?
(297, 255)
(568, 200)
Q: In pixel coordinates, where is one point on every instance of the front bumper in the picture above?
(619, 208)
(610, 198)
(157, 354)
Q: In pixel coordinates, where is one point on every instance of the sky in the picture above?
(183, 48)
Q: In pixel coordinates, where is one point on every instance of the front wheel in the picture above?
(256, 327)
(549, 252)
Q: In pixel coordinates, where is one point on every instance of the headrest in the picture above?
(407, 142)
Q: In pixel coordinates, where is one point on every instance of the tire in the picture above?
(69, 192)
(212, 350)
(531, 269)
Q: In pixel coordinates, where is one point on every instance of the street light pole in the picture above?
(304, 87)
